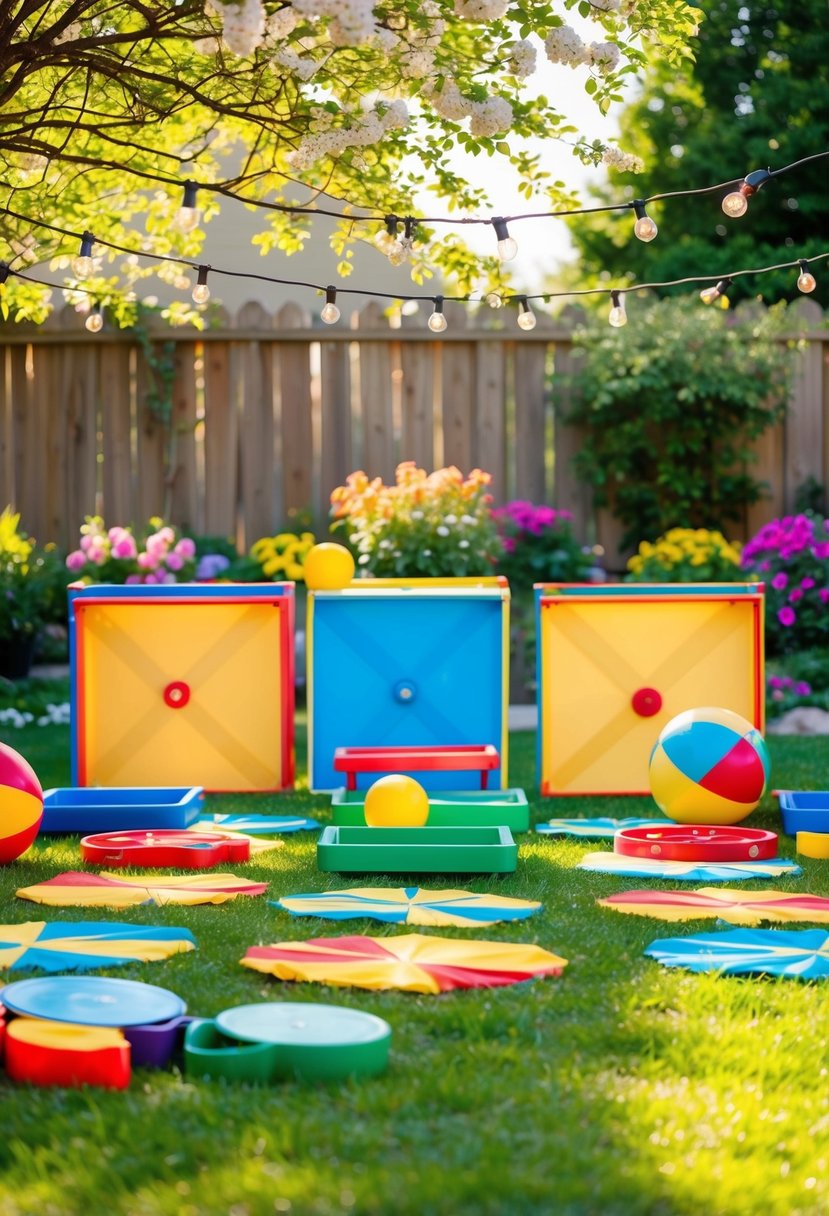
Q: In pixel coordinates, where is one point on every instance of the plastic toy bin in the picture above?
(186, 684)
(408, 663)
(804, 810)
(84, 809)
(464, 850)
(617, 662)
(450, 808)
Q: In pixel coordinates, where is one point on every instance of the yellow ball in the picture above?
(396, 801)
(328, 567)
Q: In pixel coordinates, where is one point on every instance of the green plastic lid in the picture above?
(318, 1042)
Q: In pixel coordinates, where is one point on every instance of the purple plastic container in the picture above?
(155, 1043)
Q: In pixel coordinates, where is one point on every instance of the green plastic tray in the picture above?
(429, 850)
(449, 809)
(268, 1042)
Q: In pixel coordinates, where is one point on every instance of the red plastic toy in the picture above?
(189, 850)
(60, 1053)
(481, 757)
(685, 842)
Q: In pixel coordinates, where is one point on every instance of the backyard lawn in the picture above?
(620, 1087)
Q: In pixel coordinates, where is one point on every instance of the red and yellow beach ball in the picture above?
(21, 804)
(709, 765)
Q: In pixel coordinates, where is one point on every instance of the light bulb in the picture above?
(201, 292)
(526, 316)
(400, 251)
(617, 317)
(95, 321)
(386, 238)
(82, 264)
(709, 295)
(188, 214)
(330, 313)
(507, 247)
(735, 204)
(437, 321)
(644, 228)
(806, 281)
(493, 299)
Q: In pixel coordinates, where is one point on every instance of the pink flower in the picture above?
(795, 595)
(131, 579)
(786, 616)
(76, 561)
(157, 546)
(97, 551)
(824, 595)
(807, 583)
(124, 546)
(186, 548)
(174, 561)
(146, 561)
(780, 581)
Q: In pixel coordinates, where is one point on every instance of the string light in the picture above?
(735, 204)
(526, 316)
(201, 292)
(95, 321)
(82, 264)
(330, 313)
(437, 321)
(188, 214)
(493, 299)
(617, 317)
(401, 248)
(644, 228)
(806, 281)
(386, 238)
(507, 247)
(709, 295)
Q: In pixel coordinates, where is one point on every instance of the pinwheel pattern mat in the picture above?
(595, 829)
(793, 954)
(736, 907)
(685, 871)
(257, 825)
(410, 906)
(413, 962)
(76, 889)
(86, 945)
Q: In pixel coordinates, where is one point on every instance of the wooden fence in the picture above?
(226, 432)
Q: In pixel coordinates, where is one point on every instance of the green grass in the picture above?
(619, 1088)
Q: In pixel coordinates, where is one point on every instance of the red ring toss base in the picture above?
(703, 842)
(165, 847)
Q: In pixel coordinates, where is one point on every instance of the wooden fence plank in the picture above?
(336, 450)
(296, 419)
(221, 432)
(116, 431)
(379, 450)
(21, 391)
(419, 391)
(569, 492)
(530, 355)
(256, 427)
(185, 504)
(489, 431)
(458, 393)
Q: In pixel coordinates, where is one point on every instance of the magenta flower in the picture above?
(174, 561)
(824, 595)
(795, 595)
(780, 581)
(803, 689)
(786, 616)
(186, 548)
(76, 561)
(807, 583)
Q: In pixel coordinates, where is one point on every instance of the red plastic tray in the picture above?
(188, 850)
(696, 842)
(482, 757)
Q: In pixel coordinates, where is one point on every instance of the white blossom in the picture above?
(70, 34)
(522, 58)
(605, 6)
(481, 10)
(626, 162)
(352, 21)
(243, 26)
(449, 102)
(563, 45)
(280, 24)
(491, 117)
(417, 63)
(604, 56)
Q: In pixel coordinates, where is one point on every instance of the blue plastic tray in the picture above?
(804, 810)
(87, 809)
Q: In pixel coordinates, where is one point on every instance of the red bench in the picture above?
(480, 757)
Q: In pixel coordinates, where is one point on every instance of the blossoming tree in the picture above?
(107, 110)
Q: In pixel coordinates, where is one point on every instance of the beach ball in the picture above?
(21, 804)
(396, 801)
(328, 567)
(708, 765)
